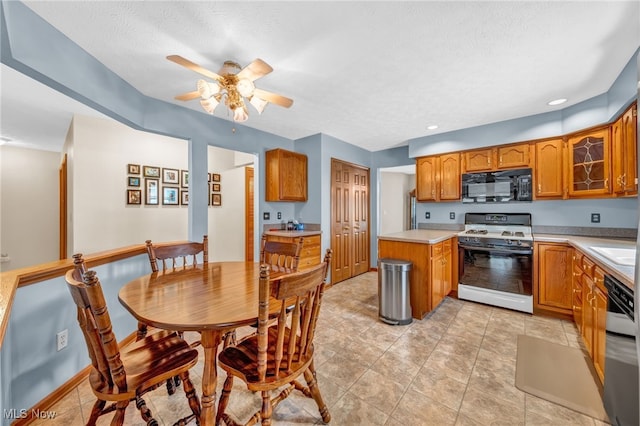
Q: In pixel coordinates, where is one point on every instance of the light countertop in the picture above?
(291, 234)
(425, 236)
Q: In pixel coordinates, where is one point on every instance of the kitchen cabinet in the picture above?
(553, 284)
(426, 181)
(514, 156)
(432, 274)
(441, 271)
(589, 163)
(497, 158)
(438, 177)
(286, 176)
(478, 160)
(310, 254)
(549, 168)
(593, 312)
(624, 153)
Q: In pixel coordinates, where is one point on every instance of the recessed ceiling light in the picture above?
(557, 101)
(432, 127)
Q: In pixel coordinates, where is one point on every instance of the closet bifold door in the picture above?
(349, 220)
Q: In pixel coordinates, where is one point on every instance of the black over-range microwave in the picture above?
(497, 187)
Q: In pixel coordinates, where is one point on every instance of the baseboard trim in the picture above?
(50, 400)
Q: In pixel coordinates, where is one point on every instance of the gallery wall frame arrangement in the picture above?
(175, 186)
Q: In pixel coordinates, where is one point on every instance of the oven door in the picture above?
(507, 270)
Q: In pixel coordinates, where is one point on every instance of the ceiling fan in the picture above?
(233, 84)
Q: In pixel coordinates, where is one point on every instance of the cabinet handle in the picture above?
(501, 160)
(606, 183)
(539, 188)
(433, 192)
(623, 180)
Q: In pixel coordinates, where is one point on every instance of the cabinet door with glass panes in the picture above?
(589, 160)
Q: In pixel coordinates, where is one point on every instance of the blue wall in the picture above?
(31, 46)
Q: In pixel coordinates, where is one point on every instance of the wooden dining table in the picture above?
(210, 298)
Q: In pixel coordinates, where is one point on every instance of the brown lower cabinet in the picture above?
(310, 252)
(433, 275)
(569, 283)
(594, 313)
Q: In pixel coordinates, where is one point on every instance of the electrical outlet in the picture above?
(279, 215)
(427, 215)
(266, 215)
(595, 217)
(62, 338)
(452, 215)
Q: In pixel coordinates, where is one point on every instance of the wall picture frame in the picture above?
(134, 196)
(170, 176)
(151, 171)
(184, 197)
(151, 191)
(133, 169)
(215, 177)
(170, 195)
(133, 181)
(216, 199)
(215, 187)
(184, 178)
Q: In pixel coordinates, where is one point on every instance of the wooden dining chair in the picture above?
(177, 255)
(123, 374)
(279, 354)
(281, 256)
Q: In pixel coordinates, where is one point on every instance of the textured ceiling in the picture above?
(374, 74)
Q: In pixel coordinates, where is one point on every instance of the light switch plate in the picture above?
(452, 215)
(427, 215)
(266, 215)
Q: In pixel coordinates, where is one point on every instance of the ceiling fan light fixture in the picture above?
(245, 87)
(258, 104)
(206, 89)
(209, 105)
(240, 114)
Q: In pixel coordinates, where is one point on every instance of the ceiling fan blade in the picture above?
(188, 96)
(193, 66)
(273, 98)
(255, 70)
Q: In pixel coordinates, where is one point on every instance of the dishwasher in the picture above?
(621, 356)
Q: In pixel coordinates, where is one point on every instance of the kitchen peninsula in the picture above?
(434, 254)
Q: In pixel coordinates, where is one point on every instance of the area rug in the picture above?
(559, 374)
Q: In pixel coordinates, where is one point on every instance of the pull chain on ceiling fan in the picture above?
(233, 85)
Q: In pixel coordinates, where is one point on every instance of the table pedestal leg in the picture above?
(210, 340)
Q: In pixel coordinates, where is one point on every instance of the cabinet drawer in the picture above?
(588, 266)
(313, 240)
(313, 251)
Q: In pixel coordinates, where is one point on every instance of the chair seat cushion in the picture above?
(242, 360)
(147, 362)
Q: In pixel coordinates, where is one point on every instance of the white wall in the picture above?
(227, 222)
(29, 215)
(394, 208)
(100, 217)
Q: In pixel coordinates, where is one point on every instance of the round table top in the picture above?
(217, 295)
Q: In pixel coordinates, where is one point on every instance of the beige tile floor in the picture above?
(455, 367)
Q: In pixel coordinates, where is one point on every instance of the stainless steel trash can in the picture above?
(393, 291)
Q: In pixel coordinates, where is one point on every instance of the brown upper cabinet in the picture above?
(496, 158)
(286, 176)
(438, 177)
(589, 161)
(548, 171)
(624, 158)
